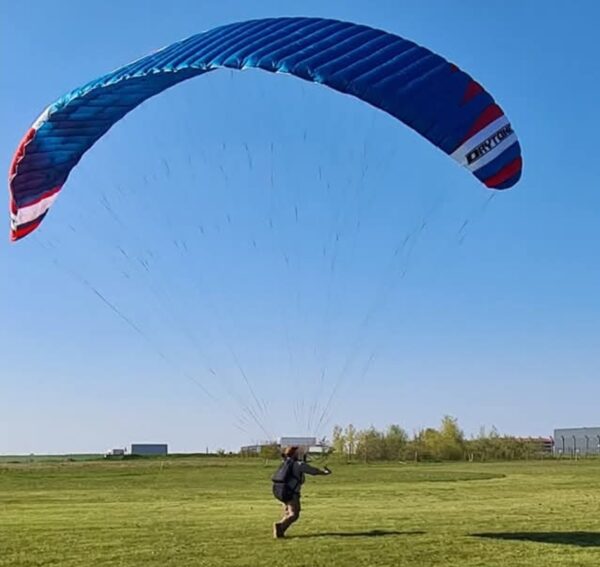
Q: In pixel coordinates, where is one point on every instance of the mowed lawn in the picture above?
(219, 512)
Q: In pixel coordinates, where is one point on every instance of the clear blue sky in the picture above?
(224, 177)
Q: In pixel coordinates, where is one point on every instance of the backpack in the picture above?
(281, 488)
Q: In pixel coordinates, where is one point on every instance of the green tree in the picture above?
(396, 441)
(271, 451)
(370, 445)
(426, 445)
(350, 435)
(338, 440)
(451, 441)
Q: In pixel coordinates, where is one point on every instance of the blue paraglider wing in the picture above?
(412, 84)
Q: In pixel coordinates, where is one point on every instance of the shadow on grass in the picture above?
(370, 533)
(580, 539)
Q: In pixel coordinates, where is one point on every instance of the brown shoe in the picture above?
(277, 531)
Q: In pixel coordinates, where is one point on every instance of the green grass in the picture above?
(219, 512)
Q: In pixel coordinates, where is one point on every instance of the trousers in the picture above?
(291, 513)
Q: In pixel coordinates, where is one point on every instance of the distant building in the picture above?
(252, 450)
(149, 449)
(297, 441)
(577, 441)
(545, 444)
(116, 453)
(309, 444)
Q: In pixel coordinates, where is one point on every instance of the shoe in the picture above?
(277, 533)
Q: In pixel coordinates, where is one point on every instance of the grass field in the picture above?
(219, 512)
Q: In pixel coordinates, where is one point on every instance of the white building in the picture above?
(297, 441)
(249, 450)
(309, 444)
(115, 453)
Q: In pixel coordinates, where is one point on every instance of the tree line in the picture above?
(445, 443)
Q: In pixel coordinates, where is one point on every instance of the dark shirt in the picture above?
(300, 469)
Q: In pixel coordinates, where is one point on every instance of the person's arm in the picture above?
(305, 468)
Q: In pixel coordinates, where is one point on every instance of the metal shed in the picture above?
(148, 449)
(575, 441)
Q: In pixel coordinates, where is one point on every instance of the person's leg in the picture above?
(292, 514)
(277, 531)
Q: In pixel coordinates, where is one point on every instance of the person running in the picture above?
(287, 484)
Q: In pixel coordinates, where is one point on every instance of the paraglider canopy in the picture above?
(409, 82)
